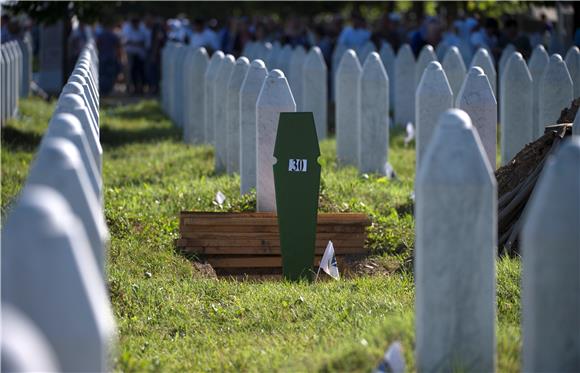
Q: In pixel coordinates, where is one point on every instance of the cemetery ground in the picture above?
(172, 316)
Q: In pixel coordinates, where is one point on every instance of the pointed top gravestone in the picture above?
(347, 109)
(248, 96)
(233, 117)
(454, 69)
(388, 57)
(426, 56)
(374, 117)
(50, 274)
(68, 126)
(434, 96)
(219, 102)
(404, 86)
(483, 59)
(314, 89)
(573, 65)
(295, 74)
(505, 56)
(550, 257)
(366, 49)
(59, 166)
(456, 235)
(516, 109)
(275, 97)
(194, 75)
(210, 78)
(476, 98)
(537, 65)
(556, 91)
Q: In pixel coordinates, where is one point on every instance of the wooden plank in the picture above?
(325, 218)
(268, 236)
(213, 250)
(248, 242)
(265, 229)
(241, 219)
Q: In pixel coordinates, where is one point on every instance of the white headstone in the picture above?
(366, 49)
(456, 237)
(26, 48)
(87, 96)
(347, 109)
(434, 96)
(77, 89)
(374, 116)
(194, 76)
(73, 104)
(388, 57)
(551, 256)
(476, 98)
(220, 109)
(295, 74)
(426, 56)
(210, 78)
(59, 166)
(69, 127)
(537, 65)
(573, 65)
(556, 91)
(503, 59)
(337, 53)
(248, 97)
(233, 117)
(284, 59)
(404, 86)
(483, 59)
(275, 97)
(454, 69)
(516, 109)
(314, 90)
(24, 347)
(50, 274)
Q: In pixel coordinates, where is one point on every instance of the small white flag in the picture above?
(220, 198)
(393, 361)
(410, 129)
(328, 262)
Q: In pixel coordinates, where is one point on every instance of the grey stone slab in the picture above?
(249, 92)
(59, 165)
(210, 78)
(426, 56)
(295, 74)
(194, 75)
(503, 59)
(347, 108)
(556, 91)
(234, 114)
(50, 274)
(455, 251)
(26, 48)
(275, 97)
(476, 98)
(24, 347)
(51, 57)
(404, 86)
(454, 69)
(434, 97)
(77, 89)
(314, 90)
(573, 65)
(374, 116)
(483, 59)
(517, 107)
(87, 96)
(550, 249)
(537, 65)
(388, 57)
(220, 110)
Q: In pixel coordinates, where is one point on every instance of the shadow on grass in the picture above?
(113, 137)
(15, 139)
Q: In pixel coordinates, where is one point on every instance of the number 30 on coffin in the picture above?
(297, 183)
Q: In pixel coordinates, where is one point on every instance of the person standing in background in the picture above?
(109, 47)
(135, 41)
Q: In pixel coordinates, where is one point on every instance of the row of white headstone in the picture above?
(455, 256)
(234, 105)
(54, 293)
(15, 76)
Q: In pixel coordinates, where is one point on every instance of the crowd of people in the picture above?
(130, 50)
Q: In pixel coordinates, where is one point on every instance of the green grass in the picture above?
(170, 318)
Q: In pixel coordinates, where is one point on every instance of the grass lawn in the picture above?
(170, 318)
